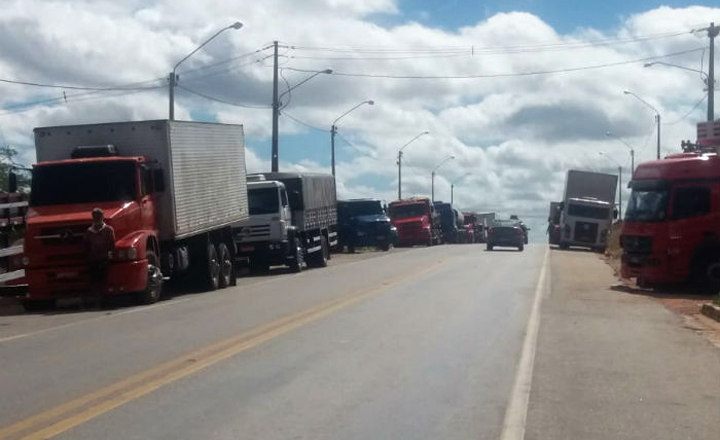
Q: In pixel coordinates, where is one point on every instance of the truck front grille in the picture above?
(586, 232)
(637, 244)
(62, 235)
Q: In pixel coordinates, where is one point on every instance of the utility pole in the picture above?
(657, 118)
(452, 195)
(399, 164)
(171, 93)
(275, 110)
(620, 192)
(432, 187)
(712, 33)
(333, 130)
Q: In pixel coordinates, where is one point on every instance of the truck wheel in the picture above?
(212, 268)
(489, 247)
(297, 264)
(521, 248)
(38, 305)
(153, 285)
(227, 273)
(319, 258)
(384, 246)
(706, 275)
(564, 246)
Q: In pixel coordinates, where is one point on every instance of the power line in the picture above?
(351, 145)
(221, 101)
(225, 61)
(69, 87)
(505, 75)
(491, 49)
(301, 122)
(689, 111)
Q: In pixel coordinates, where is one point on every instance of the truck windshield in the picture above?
(588, 212)
(263, 201)
(407, 211)
(356, 209)
(647, 206)
(88, 182)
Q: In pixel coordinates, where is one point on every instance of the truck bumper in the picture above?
(415, 237)
(649, 268)
(270, 252)
(74, 281)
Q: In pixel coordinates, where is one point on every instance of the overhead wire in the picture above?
(506, 75)
(301, 122)
(694, 107)
(351, 145)
(220, 100)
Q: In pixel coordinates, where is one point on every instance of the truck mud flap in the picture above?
(332, 238)
(313, 249)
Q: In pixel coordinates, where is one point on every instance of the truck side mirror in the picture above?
(615, 214)
(12, 182)
(158, 180)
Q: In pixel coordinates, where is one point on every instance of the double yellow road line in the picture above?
(66, 416)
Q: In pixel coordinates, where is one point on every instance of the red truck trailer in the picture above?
(671, 232)
(170, 189)
(416, 221)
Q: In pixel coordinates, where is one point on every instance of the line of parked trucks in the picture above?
(671, 230)
(184, 209)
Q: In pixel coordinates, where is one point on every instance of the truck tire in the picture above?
(489, 247)
(227, 272)
(320, 258)
(384, 246)
(153, 286)
(38, 305)
(211, 268)
(296, 265)
(564, 246)
(521, 248)
(706, 275)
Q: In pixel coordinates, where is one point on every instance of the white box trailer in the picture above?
(204, 164)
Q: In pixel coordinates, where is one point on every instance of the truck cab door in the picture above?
(285, 213)
(147, 199)
(690, 224)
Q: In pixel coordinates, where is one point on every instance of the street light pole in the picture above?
(399, 161)
(333, 131)
(274, 155)
(712, 33)
(632, 150)
(452, 187)
(172, 77)
(432, 177)
(657, 117)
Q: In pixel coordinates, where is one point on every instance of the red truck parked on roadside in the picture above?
(416, 221)
(671, 232)
(170, 189)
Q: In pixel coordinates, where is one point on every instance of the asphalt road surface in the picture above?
(423, 343)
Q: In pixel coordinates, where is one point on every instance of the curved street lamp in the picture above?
(432, 176)
(172, 77)
(399, 161)
(709, 82)
(333, 131)
(657, 117)
(619, 181)
(274, 155)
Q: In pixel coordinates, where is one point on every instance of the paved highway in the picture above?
(449, 342)
(420, 343)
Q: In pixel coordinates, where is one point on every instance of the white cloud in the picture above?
(515, 135)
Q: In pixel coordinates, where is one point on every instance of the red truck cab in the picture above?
(671, 230)
(416, 221)
(63, 196)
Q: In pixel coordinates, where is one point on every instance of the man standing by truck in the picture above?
(99, 243)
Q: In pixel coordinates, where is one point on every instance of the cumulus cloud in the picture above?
(514, 135)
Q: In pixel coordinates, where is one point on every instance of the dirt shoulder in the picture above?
(684, 303)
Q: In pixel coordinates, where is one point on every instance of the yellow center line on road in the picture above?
(66, 416)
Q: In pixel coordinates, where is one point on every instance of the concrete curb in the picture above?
(711, 311)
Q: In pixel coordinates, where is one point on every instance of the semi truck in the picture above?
(416, 221)
(452, 225)
(485, 222)
(671, 231)
(292, 222)
(362, 223)
(170, 190)
(588, 209)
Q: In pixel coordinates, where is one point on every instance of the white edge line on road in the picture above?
(516, 412)
(170, 302)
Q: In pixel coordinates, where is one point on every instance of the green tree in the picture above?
(7, 162)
